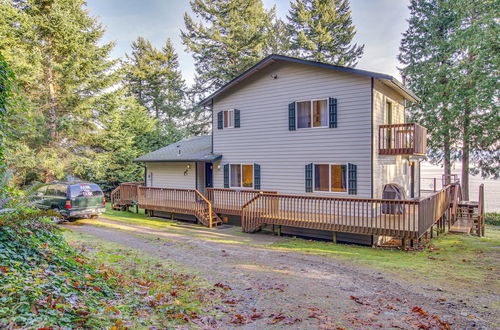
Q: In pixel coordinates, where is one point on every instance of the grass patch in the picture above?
(457, 259)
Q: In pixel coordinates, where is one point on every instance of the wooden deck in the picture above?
(404, 219)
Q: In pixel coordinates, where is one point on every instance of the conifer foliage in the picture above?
(322, 30)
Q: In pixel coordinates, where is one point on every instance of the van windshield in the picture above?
(85, 190)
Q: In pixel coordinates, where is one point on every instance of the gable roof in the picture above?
(195, 149)
(388, 79)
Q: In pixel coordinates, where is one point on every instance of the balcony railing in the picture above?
(402, 139)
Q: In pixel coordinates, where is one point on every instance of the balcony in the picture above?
(402, 139)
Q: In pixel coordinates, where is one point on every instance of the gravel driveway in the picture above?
(291, 289)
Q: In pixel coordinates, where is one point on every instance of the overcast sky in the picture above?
(379, 25)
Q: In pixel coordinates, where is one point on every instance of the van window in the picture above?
(85, 190)
(56, 190)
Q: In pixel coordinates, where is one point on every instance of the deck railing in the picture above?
(125, 194)
(398, 218)
(184, 201)
(402, 139)
(343, 214)
(432, 208)
(231, 201)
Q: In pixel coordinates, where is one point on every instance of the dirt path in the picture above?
(276, 287)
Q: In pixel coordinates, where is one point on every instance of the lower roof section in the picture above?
(195, 149)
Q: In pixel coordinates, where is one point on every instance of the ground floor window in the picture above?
(241, 176)
(330, 177)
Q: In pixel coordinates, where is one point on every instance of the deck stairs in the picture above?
(204, 218)
(468, 220)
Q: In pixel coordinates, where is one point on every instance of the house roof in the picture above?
(388, 79)
(195, 149)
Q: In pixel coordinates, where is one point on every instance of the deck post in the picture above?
(279, 230)
(403, 244)
(431, 231)
(137, 208)
(334, 237)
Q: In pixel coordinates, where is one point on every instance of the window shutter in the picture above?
(226, 175)
(236, 118)
(291, 117)
(220, 119)
(309, 177)
(256, 176)
(353, 179)
(332, 107)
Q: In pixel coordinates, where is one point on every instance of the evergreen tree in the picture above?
(154, 78)
(229, 38)
(429, 72)
(450, 56)
(322, 30)
(6, 81)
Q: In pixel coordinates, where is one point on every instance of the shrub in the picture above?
(44, 281)
(492, 219)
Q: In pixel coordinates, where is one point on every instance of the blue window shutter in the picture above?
(256, 176)
(353, 179)
(220, 119)
(291, 117)
(236, 118)
(332, 110)
(226, 175)
(309, 177)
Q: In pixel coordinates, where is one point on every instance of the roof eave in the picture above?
(209, 160)
(274, 58)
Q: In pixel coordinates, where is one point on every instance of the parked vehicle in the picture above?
(72, 200)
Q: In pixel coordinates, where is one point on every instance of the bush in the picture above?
(44, 281)
(492, 219)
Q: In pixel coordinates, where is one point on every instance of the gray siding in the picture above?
(171, 175)
(388, 169)
(264, 137)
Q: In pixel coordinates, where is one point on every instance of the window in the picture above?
(241, 176)
(85, 190)
(312, 113)
(228, 118)
(330, 177)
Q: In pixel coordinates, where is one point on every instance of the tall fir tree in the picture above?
(322, 30)
(154, 78)
(429, 72)
(228, 38)
(477, 46)
(449, 52)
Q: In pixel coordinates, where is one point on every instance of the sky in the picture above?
(379, 25)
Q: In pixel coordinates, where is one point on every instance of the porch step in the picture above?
(462, 226)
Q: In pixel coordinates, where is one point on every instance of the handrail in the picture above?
(480, 210)
(402, 139)
(432, 208)
(231, 201)
(175, 200)
(210, 224)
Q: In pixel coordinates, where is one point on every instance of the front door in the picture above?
(209, 178)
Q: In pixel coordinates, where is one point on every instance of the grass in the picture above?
(449, 260)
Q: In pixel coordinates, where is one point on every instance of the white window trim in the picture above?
(230, 124)
(311, 114)
(346, 192)
(241, 179)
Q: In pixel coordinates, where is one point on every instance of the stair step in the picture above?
(462, 226)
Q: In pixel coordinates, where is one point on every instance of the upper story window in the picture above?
(330, 177)
(228, 118)
(241, 176)
(312, 113)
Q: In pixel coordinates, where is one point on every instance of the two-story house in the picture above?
(300, 127)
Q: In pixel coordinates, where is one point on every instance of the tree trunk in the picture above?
(447, 160)
(465, 158)
(52, 104)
